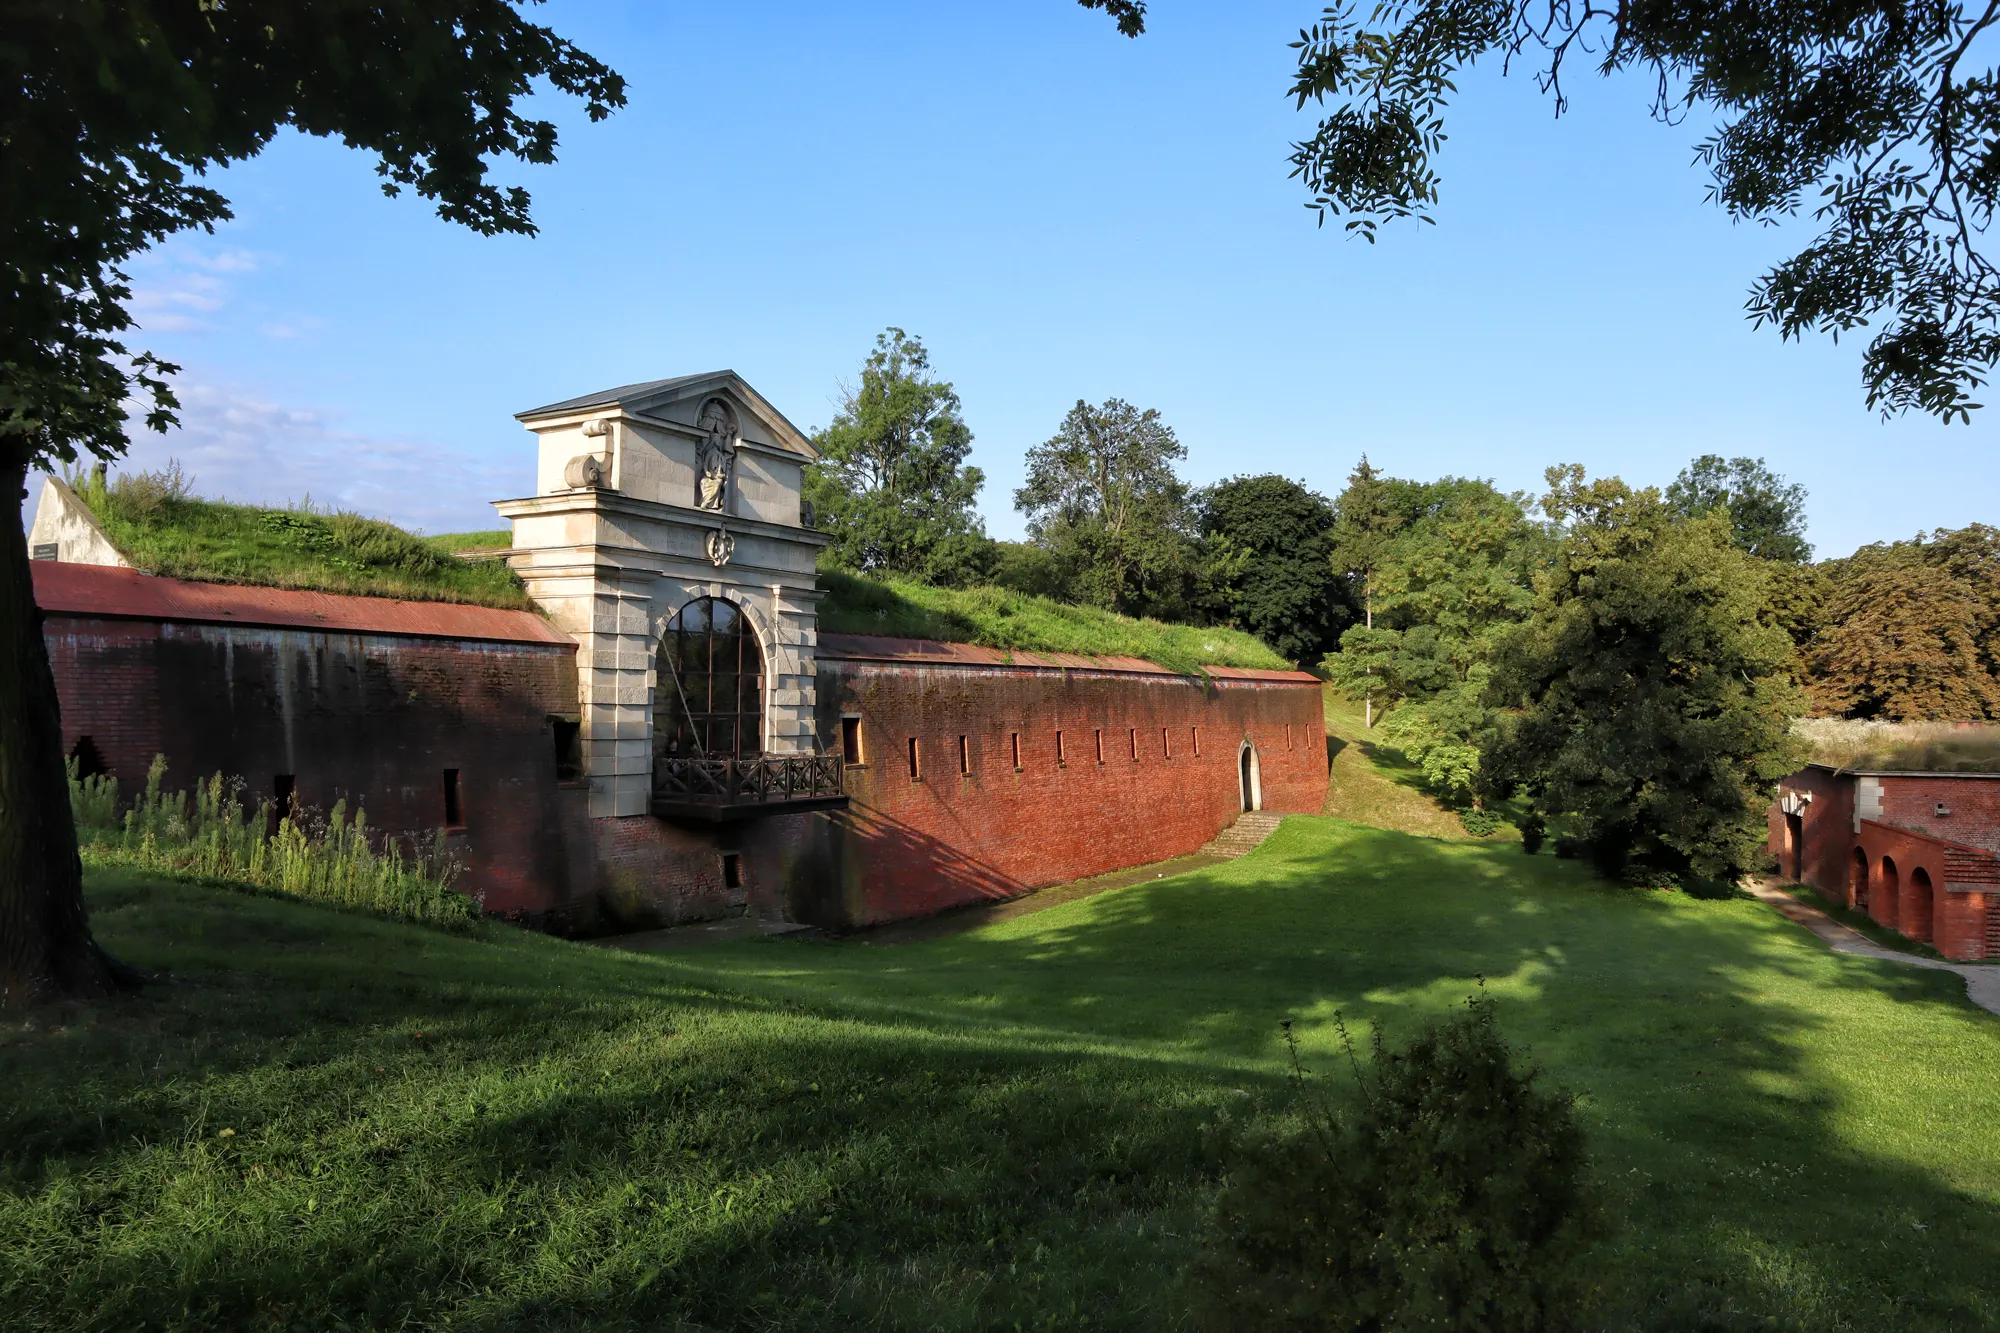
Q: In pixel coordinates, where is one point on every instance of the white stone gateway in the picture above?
(650, 497)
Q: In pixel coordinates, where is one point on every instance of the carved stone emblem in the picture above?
(720, 547)
(715, 456)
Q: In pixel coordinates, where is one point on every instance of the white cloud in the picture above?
(240, 446)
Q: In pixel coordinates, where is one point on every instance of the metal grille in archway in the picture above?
(709, 689)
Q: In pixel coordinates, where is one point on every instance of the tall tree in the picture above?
(1366, 517)
(1267, 545)
(894, 489)
(1648, 701)
(1910, 631)
(1102, 495)
(1449, 582)
(1883, 115)
(1766, 513)
(107, 113)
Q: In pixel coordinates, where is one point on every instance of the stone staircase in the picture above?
(1245, 835)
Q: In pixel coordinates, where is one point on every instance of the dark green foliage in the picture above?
(1027, 568)
(1767, 514)
(1648, 700)
(1454, 1197)
(893, 488)
(1267, 543)
(1878, 117)
(1478, 822)
(114, 110)
(1103, 499)
(1534, 831)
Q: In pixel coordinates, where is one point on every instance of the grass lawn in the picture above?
(1000, 618)
(338, 1122)
(1372, 783)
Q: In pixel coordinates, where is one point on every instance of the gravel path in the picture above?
(1982, 980)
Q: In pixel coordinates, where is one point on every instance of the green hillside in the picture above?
(999, 618)
(163, 528)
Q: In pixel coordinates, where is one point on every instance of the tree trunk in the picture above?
(46, 951)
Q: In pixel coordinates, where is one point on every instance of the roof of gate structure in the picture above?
(638, 397)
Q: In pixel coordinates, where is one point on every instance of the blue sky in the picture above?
(1060, 213)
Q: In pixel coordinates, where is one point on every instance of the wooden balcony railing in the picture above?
(720, 788)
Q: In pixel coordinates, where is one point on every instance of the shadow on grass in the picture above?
(1022, 1125)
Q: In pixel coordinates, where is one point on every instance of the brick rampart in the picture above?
(374, 719)
(1027, 778)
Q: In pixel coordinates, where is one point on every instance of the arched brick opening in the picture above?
(1882, 901)
(1794, 864)
(1250, 776)
(1916, 906)
(1857, 882)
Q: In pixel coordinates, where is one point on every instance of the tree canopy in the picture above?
(1910, 631)
(1880, 119)
(1102, 496)
(1766, 513)
(894, 489)
(1267, 543)
(111, 112)
(1647, 700)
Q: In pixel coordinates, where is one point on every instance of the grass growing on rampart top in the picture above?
(1916, 747)
(156, 521)
(999, 618)
(341, 1122)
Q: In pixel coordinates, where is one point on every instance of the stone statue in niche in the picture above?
(716, 455)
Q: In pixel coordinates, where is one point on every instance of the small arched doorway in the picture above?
(1250, 777)
(1795, 845)
(1882, 902)
(708, 693)
(1915, 909)
(1857, 882)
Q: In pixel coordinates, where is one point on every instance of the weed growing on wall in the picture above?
(209, 832)
(1454, 1198)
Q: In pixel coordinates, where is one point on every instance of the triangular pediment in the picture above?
(656, 400)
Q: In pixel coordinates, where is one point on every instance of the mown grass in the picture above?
(162, 528)
(999, 618)
(1371, 782)
(336, 1122)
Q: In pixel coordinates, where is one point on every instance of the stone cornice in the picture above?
(603, 500)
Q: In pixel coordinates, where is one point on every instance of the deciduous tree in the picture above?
(1103, 497)
(1267, 542)
(894, 489)
(109, 115)
(1647, 700)
(1908, 631)
(1767, 514)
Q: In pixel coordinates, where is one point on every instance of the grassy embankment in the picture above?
(162, 528)
(1372, 783)
(999, 618)
(339, 1122)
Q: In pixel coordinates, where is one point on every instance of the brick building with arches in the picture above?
(1918, 852)
(672, 739)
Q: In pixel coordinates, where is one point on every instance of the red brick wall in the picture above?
(1910, 801)
(909, 847)
(1963, 882)
(374, 719)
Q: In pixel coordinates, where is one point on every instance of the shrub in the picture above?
(208, 832)
(1568, 849)
(1479, 823)
(1651, 877)
(1533, 832)
(1453, 1198)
